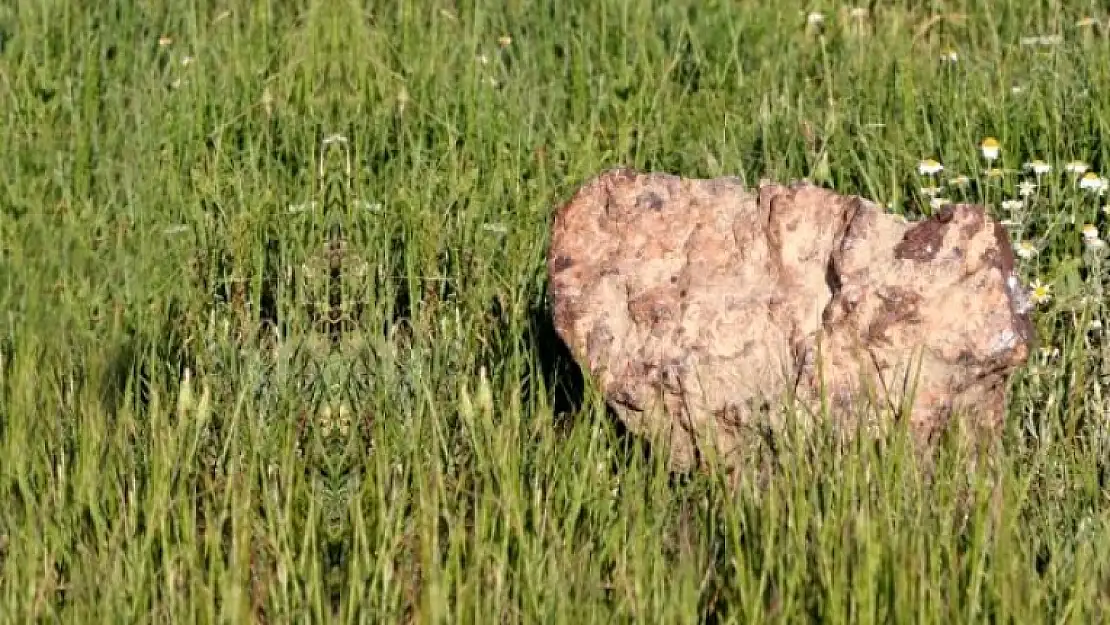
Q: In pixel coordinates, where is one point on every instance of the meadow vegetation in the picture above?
(275, 344)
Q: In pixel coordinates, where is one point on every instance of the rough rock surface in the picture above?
(699, 306)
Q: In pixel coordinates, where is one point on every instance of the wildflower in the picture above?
(1090, 237)
(267, 101)
(1086, 22)
(929, 167)
(1042, 40)
(1012, 205)
(1039, 292)
(815, 18)
(1048, 353)
(1093, 182)
(504, 41)
(1025, 249)
(938, 203)
(300, 208)
(1095, 324)
(165, 40)
(931, 191)
(1038, 167)
(990, 148)
(1017, 89)
(949, 56)
(859, 13)
(186, 61)
(482, 59)
(1026, 188)
(1076, 167)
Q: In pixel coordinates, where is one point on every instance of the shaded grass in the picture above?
(201, 419)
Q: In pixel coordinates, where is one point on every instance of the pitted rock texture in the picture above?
(699, 306)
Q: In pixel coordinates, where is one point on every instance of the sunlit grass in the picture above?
(201, 421)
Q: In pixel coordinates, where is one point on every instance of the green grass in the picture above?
(182, 440)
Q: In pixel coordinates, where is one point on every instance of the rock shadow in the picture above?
(561, 374)
(565, 384)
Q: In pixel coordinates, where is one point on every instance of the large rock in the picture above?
(700, 308)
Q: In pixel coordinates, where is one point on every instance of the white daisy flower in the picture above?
(1025, 249)
(1076, 167)
(929, 167)
(1038, 167)
(1012, 205)
(1093, 182)
(300, 208)
(1039, 292)
(938, 203)
(1042, 40)
(1091, 238)
(990, 148)
(1048, 353)
(1026, 188)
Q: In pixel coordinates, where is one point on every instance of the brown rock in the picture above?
(699, 307)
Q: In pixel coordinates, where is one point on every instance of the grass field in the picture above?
(202, 421)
